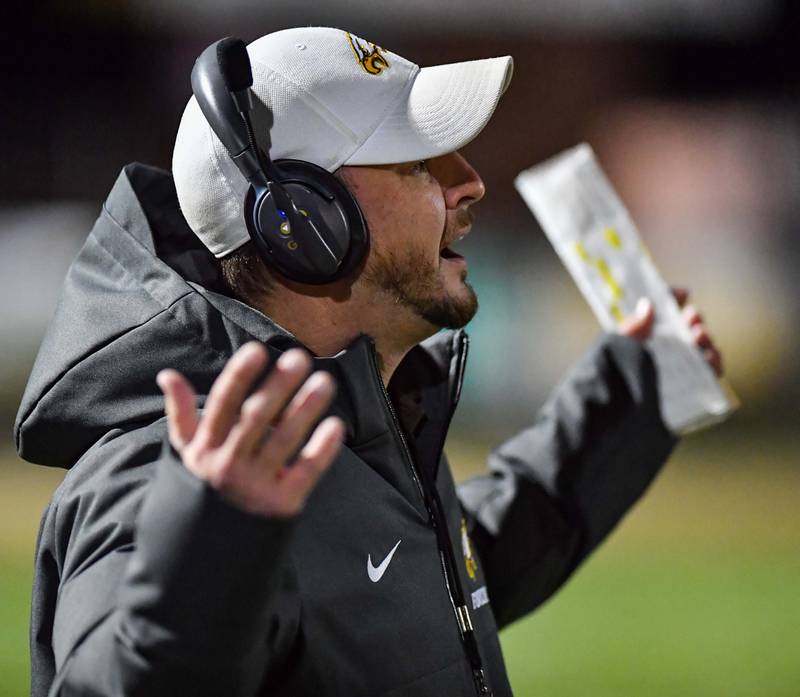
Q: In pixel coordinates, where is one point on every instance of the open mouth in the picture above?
(448, 253)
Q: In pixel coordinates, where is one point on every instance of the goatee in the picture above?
(415, 283)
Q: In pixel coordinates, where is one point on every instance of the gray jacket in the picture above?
(148, 583)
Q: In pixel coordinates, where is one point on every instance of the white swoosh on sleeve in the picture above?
(375, 574)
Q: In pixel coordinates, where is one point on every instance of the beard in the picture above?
(414, 282)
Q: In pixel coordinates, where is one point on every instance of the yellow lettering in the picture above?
(612, 237)
(600, 264)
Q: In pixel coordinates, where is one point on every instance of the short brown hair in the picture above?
(247, 276)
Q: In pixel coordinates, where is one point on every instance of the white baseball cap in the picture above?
(336, 100)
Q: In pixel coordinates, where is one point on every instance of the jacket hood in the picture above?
(143, 294)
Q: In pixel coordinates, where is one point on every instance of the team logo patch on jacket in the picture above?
(370, 56)
(466, 547)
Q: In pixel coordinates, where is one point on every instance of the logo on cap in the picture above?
(369, 55)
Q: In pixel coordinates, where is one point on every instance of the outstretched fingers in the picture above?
(226, 446)
(180, 407)
(228, 391)
(264, 406)
(291, 432)
(314, 459)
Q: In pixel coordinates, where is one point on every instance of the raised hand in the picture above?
(241, 447)
(640, 324)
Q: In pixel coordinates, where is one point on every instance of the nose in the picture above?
(461, 184)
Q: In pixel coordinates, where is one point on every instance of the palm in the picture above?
(242, 446)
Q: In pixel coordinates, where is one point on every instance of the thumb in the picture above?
(180, 407)
(640, 323)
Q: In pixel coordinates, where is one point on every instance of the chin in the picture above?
(454, 310)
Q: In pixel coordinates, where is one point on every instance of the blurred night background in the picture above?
(693, 107)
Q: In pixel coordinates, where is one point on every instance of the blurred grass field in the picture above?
(696, 593)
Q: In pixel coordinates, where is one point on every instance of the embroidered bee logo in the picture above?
(369, 55)
(466, 548)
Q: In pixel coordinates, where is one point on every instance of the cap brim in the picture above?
(447, 106)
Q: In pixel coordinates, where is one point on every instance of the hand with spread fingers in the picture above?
(640, 324)
(241, 446)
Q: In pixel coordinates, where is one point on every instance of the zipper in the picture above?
(396, 421)
(438, 522)
(462, 611)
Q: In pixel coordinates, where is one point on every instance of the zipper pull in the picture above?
(465, 623)
(464, 620)
(480, 682)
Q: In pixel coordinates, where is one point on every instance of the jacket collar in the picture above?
(384, 426)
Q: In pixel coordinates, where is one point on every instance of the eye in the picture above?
(421, 166)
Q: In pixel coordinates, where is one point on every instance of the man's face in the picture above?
(414, 212)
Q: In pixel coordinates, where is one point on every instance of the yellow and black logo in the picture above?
(368, 55)
(466, 548)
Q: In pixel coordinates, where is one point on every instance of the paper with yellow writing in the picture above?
(596, 239)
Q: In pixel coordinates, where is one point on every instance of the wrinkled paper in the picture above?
(597, 241)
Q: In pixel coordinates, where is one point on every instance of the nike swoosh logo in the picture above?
(375, 574)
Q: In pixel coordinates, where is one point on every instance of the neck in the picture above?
(328, 321)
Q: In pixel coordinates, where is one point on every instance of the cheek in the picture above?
(377, 207)
(407, 220)
(423, 220)
(433, 213)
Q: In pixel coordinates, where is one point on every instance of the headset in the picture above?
(303, 221)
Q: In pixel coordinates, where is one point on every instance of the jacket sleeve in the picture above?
(179, 605)
(554, 491)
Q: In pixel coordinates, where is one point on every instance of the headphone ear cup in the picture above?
(264, 243)
(332, 209)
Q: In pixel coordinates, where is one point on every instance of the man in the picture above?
(204, 553)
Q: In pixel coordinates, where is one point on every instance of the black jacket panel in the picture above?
(149, 583)
(592, 451)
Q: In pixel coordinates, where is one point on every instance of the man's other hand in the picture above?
(241, 446)
(640, 324)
